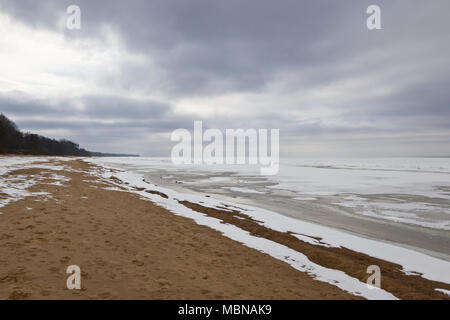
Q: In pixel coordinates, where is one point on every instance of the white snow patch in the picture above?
(15, 187)
(447, 292)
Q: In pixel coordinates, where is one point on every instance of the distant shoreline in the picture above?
(15, 142)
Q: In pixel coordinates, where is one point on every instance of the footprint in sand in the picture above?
(18, 294)
(138, 263)
(64, 259)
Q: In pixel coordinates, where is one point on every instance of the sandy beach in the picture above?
(127, 247)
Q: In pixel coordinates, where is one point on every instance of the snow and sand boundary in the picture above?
(17, 187)
(415, 265)
(412, 262)
(127, 247)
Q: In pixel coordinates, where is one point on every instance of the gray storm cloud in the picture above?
(310, 68)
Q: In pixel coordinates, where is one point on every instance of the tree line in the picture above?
(13, 141)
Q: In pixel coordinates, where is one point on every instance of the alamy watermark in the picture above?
(374, 280)
(73, 21)
(74, 280)
(233, 146)
(373, 22)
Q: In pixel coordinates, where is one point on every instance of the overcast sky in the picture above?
(139, 69)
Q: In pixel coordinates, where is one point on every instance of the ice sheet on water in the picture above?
(427, 179)
(243, 190)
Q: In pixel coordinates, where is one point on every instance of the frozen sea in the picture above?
(401, 200)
